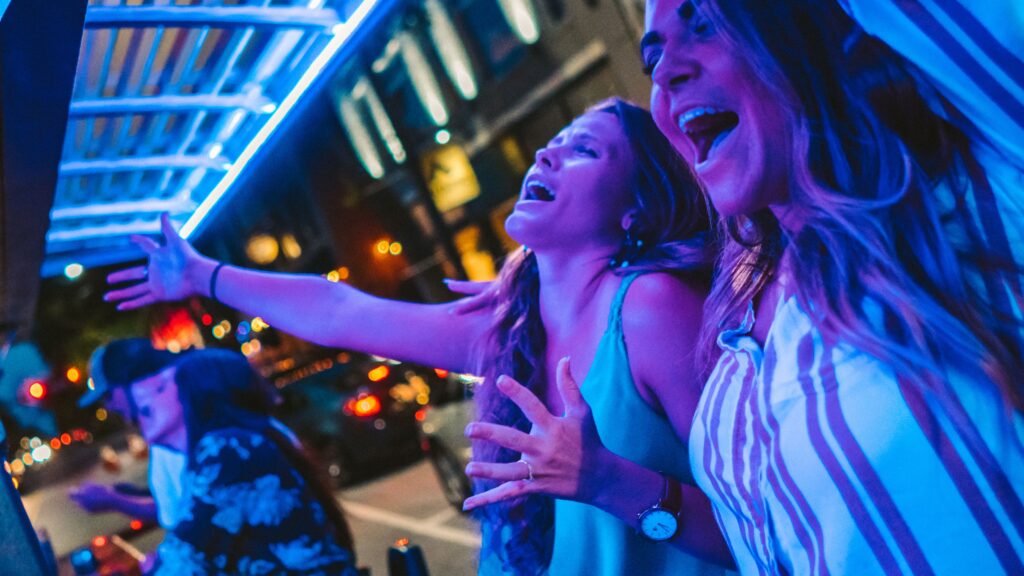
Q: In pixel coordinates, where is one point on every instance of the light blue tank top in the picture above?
(589, 541)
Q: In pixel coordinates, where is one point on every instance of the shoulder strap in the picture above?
(615, 315)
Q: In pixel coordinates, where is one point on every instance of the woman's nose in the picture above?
(546, 157)
(674, 72)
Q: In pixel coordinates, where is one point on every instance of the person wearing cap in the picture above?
(124, 373)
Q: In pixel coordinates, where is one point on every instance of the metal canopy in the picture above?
(171, 99)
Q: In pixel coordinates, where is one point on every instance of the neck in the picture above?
(568, 284)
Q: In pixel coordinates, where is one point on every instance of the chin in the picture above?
(730, 200)
(520, 229)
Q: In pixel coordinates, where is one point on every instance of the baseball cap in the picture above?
(121, 362)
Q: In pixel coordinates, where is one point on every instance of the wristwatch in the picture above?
(661, 521)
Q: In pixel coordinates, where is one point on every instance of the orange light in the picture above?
(379, 373)
(364, 405)
(99, 542)
(441, 373)
(402, 542)
(65, 438)
(74, 375)
(37, 390)
(421, 414)
(383, 246)
(136, 524)
(55, 443)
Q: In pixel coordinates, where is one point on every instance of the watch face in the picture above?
(658, 524)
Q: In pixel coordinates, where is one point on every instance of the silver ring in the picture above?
(529, 470)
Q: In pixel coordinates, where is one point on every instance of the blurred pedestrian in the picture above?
(252, 502)
(113, 368)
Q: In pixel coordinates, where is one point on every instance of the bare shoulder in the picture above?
(660, 299)
(661, 322)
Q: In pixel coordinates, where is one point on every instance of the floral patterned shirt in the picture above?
(247, 511)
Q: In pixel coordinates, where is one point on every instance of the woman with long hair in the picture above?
(617, 236)
(864, 410)
(252, 502)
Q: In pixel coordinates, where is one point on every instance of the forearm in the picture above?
(627, 489)
(338, 315)
(138, 507)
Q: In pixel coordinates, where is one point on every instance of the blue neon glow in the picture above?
(342, 32)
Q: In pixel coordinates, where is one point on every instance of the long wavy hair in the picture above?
(219, 390)
(672, 223)
(874, 263)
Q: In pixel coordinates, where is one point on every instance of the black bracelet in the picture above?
(213, 281)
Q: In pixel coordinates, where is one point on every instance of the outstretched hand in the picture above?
(479, 295)
(562, 456)
(92, 497)
(163, 278)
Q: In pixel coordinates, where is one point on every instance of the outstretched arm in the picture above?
(308, 306)
(567, 460)
(96, 498)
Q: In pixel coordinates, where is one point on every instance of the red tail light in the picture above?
(364, 405)
(37, 390)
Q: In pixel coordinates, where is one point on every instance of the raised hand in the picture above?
(562, 456)
(480, 295)
(166, 275)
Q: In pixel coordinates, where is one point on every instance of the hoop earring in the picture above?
(632, 245)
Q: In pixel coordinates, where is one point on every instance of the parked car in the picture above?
(443, 439)
(359, 417)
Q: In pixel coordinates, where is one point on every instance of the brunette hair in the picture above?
(219, 390)
(672, 222)
(874, 262)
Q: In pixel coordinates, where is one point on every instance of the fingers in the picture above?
(506, 491)
(494, 471)
(128, 293)
(572, 399)
(531, 406)
(127, 275)
(170, 234)
(147, 244)
(467, 287)
(503, 436)
(138, 302)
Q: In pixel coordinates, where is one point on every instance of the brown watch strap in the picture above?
(672, 495)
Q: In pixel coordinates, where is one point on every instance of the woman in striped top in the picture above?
(864, 411)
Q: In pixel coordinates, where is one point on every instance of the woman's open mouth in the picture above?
(535, 190)
(706, 128)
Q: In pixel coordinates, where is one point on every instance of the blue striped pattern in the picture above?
(819, 460)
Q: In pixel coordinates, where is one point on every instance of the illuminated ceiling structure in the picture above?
(171, 100)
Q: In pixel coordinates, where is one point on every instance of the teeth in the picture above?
(696, 113)
(531, 190)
